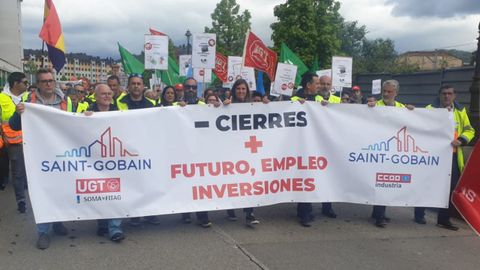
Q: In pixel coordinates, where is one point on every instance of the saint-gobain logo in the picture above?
(106, 146)
(98, 185)
(403, 141)
(394, 178)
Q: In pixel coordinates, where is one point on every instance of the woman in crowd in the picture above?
(168, 97)
(241, 94)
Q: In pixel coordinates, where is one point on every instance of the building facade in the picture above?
(430, 60)
(11, 52)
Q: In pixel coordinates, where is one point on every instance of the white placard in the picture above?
(234, 70)
(248, 74)
(285, 79)
(202, 75)
(121, 165)
(156, 52)
(342, 71)
(324, 72)
(184, 62)
(203, 50)
(376, 87)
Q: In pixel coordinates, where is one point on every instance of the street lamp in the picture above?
(188, 34)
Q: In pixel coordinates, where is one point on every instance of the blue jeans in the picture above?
(113, 225)
(45, 227)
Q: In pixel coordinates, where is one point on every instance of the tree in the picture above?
(379, 56)
(230, 27)
(310, 28)
(351, 36)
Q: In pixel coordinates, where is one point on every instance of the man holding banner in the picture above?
(464, 133)
(46, 95)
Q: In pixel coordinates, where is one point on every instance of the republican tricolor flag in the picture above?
(52, 34)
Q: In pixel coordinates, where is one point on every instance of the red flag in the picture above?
(466, 196)
(221, 67)
(156, 33)
(259, 56)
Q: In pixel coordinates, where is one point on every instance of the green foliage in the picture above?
(230, 27)
(379, 56)
(310, 28)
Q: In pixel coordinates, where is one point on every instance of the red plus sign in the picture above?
(253, 144)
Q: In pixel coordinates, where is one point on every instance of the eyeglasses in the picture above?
(194, 87)
(25, 82)
(47, 81)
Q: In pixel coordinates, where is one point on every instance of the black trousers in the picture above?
(444, 213)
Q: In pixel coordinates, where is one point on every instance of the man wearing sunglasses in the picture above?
(9, 98)
(190, 89)
(46, 94)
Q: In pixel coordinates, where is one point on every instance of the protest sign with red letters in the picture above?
(466, 196)
(200, 158)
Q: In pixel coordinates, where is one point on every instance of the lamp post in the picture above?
(188, 34)
(475, 89)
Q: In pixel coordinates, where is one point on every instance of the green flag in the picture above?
(170, 76)
(131, 65)
(288, 57)
(315, 66)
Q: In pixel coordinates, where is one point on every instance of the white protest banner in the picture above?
(203, 50)
(204, 158)
(156, 52)
(324, 72)
(202, 75)
(342, 71)
(248, 74)
(376, 87)
(234, 70)
(184, 62)
(285, 79)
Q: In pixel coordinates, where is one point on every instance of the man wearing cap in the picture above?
(180, 92)
(357, 95)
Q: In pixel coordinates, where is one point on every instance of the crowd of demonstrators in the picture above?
(110, 97)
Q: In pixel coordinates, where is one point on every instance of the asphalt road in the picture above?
(279, 242)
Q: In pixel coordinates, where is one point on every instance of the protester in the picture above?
(132, 101)
(104, 103)
(114, 83)
(47, 95)
(390, 89)
(82, 103)
(180, 91)
(257, 97)
(9, 98)
(152, 95)
(241, 94)
(464, 133)
(325, 89)
(168, 97)
(346, 97)
(357, 96)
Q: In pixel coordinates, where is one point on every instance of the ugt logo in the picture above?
(403, 141)
(98, 185)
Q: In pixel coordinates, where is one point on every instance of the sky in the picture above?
(95, 26)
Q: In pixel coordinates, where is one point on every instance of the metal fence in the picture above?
(421, 88)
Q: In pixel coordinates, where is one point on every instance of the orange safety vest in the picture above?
(7, 108)
(63, 104)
